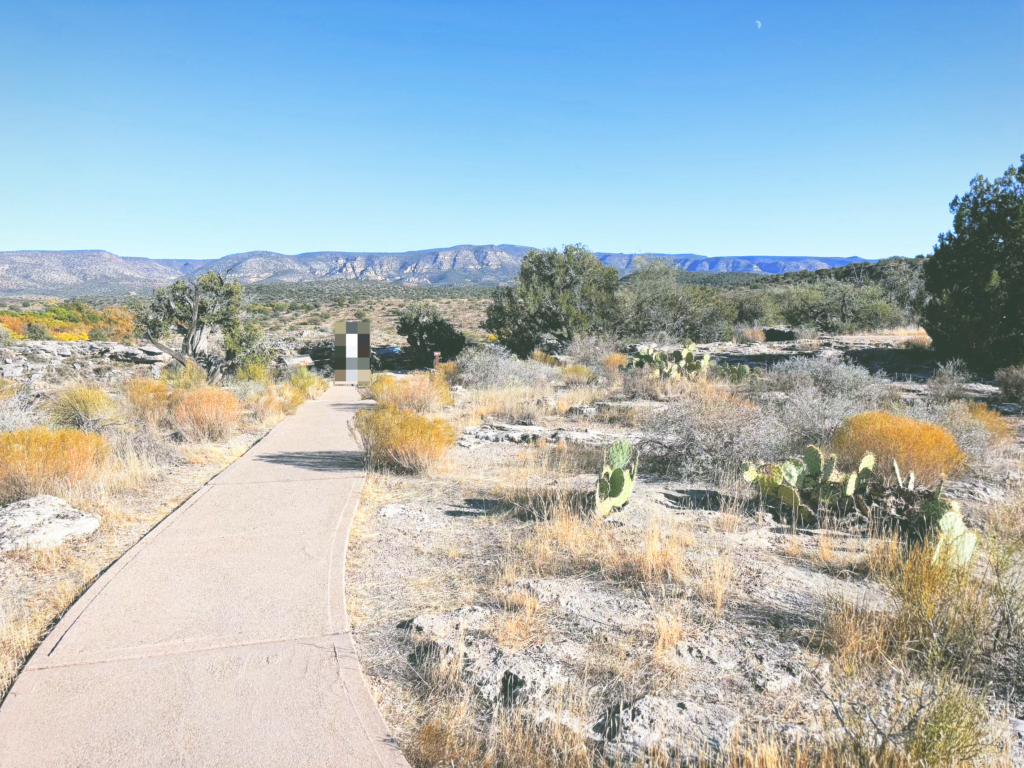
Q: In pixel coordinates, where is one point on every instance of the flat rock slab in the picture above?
(42, 521)
(221, 638)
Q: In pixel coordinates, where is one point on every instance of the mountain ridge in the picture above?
(100, 271)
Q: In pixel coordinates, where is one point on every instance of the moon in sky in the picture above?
(758, 24)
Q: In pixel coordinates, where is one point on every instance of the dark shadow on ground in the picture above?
(478, 508)
(318, 461)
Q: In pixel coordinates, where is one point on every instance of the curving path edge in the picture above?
(221, 638)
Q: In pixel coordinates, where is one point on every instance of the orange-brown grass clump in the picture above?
(420, 392)
(997, 425)
(147, 400)
(927, 450)
(749, 335)
(206, 413)
(615, 361)
(39, 460)
(403, 440)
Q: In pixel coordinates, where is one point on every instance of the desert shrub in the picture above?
(657, 306)
(591, 350)
(708, 433)
(834, 306)
(822, 393)
(81, 406)
(403, 440)
(17, 407)
(490, 366)
(428, 332)
(577, 375)
(254, 369)
(307, 382)
(267, 403)
(37, 331)
(1011, 381)
(188, 376)
(290, 397)
(5, 334)
(927, 450)
(949, 381)
(420, 392)
(40, 460)
(205, 413)
(978, 430)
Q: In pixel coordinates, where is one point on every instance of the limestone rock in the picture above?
(42, 521)
(686, 730)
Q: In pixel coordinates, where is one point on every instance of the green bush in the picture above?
(975, 276)
(560, 293)
(428, 332)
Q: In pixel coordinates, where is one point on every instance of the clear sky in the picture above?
(196, 129)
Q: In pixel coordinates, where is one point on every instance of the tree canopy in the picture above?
(975, 278)
(428, 332)
(558, 293)
(194, 308)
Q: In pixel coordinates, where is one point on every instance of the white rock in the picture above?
(42, 521)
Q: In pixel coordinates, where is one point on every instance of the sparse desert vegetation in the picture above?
(503, 621)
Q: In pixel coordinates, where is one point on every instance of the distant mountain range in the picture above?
(68, 273)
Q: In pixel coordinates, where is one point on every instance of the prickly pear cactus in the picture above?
(615, 483)
(955, 541)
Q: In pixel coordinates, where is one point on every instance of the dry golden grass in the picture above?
(448, 371)
(543, 357)
(307, 382)
(521, 623)
(23, 626)
(717, 580)
(614, 362)
(913, 338)
(750, 335)
(509, 404)
(254, 370)
(927, 450)
(188, 376)
(82, 406)
(148, 400)
(670, 629)
(268, 407)
(39, 460)
(420, 392)
(205, 413)
(578, 375)
(290, 397)
(402, 439)
(998, 426)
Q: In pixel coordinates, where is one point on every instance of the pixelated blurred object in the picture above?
(352, 352)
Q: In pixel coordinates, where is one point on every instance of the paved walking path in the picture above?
(221, 638)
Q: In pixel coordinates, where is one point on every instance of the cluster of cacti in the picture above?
(615, 484)
(736, 374)
(802, 491)
(669, 365)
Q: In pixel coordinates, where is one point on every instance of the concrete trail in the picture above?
(221, 638)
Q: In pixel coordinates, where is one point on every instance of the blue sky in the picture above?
(196, 129)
